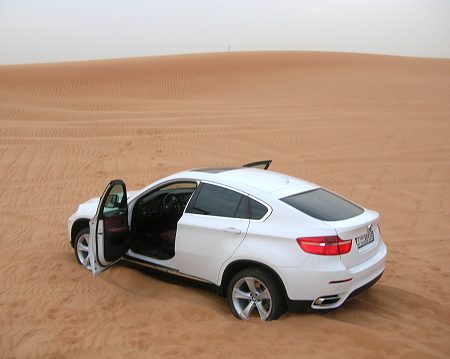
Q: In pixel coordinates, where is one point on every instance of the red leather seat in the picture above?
(168, 239)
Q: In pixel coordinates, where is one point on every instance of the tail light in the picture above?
(325, 246)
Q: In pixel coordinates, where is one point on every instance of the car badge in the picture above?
(369, 228)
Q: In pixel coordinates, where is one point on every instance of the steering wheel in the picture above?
(172, 205)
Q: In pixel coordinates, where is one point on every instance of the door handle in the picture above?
(232, 230)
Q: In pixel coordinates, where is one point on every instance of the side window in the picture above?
(154, 200)
(114, 200)
(257, 210)
(180, 186)
(219, 201)
(242, 211)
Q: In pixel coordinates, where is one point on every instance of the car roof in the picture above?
(251, 180)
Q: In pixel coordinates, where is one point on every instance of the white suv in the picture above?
(265, 240)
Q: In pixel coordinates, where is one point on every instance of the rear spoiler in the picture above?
(263, 165)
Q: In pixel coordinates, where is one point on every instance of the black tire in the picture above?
(80, 235)
(262, 280)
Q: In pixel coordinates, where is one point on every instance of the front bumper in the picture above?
(69, 227)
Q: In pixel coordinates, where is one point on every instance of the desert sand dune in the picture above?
(374, 128)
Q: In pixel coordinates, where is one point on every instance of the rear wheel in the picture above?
(255, 291)
(81, 248)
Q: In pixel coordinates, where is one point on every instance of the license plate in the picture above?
(365, 239)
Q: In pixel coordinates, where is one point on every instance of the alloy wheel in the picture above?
(250, 293)
(83, 251)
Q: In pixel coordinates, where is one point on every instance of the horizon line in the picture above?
(200, 53)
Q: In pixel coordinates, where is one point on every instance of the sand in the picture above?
(373, 128)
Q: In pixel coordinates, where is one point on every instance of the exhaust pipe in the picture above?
(319, 301)
(326, 300)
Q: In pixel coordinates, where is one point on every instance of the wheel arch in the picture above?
(77, 226)
(236, 266)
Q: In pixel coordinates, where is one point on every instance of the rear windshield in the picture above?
(323, 205)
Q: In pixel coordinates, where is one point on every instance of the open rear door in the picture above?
(263, 165)
(109, 236)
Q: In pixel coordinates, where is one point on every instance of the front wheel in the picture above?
(81, 248)
(255, 291)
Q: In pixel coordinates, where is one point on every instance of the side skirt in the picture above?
(140, 263)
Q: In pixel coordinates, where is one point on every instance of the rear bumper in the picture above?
(328, 285)
(308, 305)
(364, 287)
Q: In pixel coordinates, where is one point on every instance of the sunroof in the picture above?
(214, 170)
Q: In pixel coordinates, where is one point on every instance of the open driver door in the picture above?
(109, 237)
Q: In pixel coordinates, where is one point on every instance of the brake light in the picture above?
(325, 246)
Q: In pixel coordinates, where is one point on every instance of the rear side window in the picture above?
(257, 210)
(219, 201)
(323, 205)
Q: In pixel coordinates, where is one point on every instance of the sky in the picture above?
(35, 31)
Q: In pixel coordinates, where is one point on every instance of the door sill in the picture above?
(161, 268)
(169, 263)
